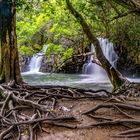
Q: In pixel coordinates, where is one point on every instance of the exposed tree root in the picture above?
(114, 105)
(25, 108)
(126, 136)
(129, 133)
(129, 89)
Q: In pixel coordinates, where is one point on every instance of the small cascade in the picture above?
(108, 50)
(36, 61)
(95, 70)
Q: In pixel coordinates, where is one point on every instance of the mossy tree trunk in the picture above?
(9, 60)
(115, 77)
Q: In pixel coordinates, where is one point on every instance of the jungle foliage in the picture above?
(49, 22)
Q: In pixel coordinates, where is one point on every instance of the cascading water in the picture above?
(97, 72)
(108, 50)
(36, 61)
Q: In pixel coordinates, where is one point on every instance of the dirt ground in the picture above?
(64, 113)
(76, 108)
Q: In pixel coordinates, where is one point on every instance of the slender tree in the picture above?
(9, 60)
(115, 77)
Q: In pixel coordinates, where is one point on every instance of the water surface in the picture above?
(73, 80)
(90, 81)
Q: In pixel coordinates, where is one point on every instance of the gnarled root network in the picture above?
(25, 109)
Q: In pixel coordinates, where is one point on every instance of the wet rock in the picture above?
(24, 63)
(129, 60)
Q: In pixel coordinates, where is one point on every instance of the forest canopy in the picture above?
(44, 22)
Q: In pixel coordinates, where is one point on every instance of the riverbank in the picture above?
(54, 113)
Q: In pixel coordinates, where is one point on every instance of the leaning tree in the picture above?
(9, 59)
(115, 77)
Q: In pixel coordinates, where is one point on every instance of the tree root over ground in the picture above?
(24, 110)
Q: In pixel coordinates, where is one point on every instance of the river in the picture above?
(72, 80)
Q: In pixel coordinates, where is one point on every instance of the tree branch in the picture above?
(115, 77)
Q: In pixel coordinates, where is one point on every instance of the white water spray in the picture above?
(36, 61)
(97, 72)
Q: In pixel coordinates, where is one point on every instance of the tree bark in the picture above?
(9, 61)
(115, 77)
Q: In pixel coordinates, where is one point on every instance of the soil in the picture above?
(76, 108)
(63, 114)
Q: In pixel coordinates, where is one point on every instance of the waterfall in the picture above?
(108, 50)
(95, 70)
(36, 60)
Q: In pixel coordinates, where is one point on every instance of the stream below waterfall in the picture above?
(72, 80)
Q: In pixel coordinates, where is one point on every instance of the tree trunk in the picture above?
(115, 77)
(9, 61)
